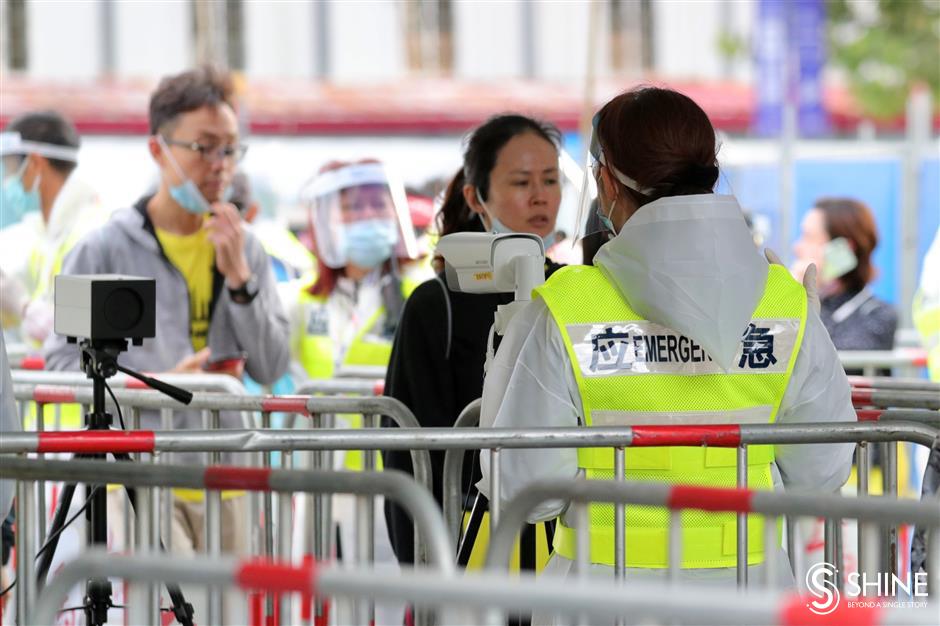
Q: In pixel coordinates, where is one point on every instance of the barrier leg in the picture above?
(494, 487)
(213, 530)
(268, 522)
(41, 484)
(284, 539)
(837, 529)
(675, 546)
(140, 602)
(770, 551)
(166, 495)
(829, 547)
(25, 551)
(365, 527)
(889, 466)
(862, 464)
(619, 519)
(742, 520)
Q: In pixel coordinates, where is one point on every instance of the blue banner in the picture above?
(790, 55)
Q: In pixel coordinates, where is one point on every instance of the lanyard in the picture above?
(848, 308)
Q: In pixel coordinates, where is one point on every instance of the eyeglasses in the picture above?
(212, 154)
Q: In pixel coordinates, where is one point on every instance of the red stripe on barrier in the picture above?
(862, 397)
(96, 441)
(226, 477)
(287, 404)
(378, 388)
(133, 383)
(33, 363)
(271, 576)
(721, 436)
(798, 611)
(920, 361)
(868, 415)
(710, 498)
(51, 394)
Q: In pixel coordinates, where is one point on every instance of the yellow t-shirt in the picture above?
(194, 256)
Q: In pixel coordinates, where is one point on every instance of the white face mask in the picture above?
(498, 227)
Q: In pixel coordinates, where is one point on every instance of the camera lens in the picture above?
(123, 309)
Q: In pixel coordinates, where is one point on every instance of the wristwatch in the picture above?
(246, 293)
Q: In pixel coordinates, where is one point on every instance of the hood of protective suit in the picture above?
(689, 263)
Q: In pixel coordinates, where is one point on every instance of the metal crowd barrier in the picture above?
(891, 382)
(18, 352)
(192, 382)
(893, 398)
(392, 484)
(869, 361)
(342, 386)
(742, 501)
(319, 409)
(598, 602)
(372, 372)
(727, 436)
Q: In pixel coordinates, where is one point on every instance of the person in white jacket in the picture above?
(47, 208)
(683, 259)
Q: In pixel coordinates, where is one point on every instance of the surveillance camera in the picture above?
(493, 263)
(105, 307)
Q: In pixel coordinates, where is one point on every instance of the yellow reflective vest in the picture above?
(317, 349)
(631, 371)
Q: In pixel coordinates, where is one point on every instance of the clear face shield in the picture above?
(359, 214)
(593, 218)
(587, 221)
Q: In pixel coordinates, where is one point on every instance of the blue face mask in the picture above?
(16, 201)
(605, 219)
(188, 196)
(370, 242)
(499, 228)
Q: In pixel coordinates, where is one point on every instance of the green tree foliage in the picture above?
(886, 47)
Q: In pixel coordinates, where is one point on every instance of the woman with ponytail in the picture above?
(509, 182)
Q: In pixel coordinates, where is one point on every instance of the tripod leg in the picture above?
(61, 514)
(473, 528)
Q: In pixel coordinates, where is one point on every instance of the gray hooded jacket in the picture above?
(127, 244)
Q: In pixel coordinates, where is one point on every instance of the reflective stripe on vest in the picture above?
(632, 371)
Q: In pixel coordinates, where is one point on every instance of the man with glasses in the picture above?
(217, 307)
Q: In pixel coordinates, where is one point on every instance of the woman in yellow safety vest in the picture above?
(680, 320)
(346, 312)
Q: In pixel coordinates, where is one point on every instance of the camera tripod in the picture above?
(99, 362)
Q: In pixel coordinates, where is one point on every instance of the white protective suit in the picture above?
(31, 251)
(9, 423)
(688, 263)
